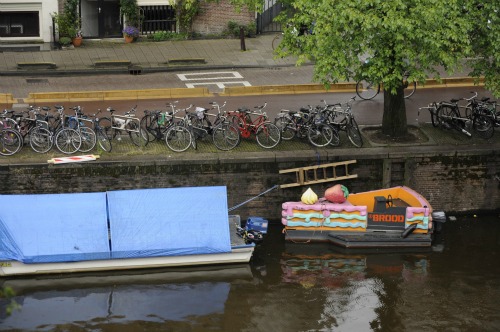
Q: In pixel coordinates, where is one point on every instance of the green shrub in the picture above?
(167, 35)
(64, 41)
(163, 35)
(233, 29)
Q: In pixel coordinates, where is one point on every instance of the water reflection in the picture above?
(87, 301)
(354, 284)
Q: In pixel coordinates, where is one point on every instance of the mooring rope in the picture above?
(251, 199)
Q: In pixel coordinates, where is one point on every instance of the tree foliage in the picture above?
(422, 37)
(485, 40)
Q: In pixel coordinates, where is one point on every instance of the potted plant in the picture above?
(130, 33)
(77, 38)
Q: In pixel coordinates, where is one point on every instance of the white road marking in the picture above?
(220, 85)
(212, 76)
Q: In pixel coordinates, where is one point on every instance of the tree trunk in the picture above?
(394, 122)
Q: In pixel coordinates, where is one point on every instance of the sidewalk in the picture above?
(113, 56)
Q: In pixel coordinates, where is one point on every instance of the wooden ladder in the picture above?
(319, 174)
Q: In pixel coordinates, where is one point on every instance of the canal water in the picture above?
(287, 287)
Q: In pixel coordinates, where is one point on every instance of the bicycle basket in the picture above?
(200, 112)
(319, 119)
(72, 122)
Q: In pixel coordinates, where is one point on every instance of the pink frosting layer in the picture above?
(321, 205)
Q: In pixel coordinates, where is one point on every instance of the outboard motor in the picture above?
(439, 218)
(254, 230)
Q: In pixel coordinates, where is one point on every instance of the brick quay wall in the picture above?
(452, 181)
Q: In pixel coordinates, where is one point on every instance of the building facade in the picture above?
(26, 21)
(31, 21)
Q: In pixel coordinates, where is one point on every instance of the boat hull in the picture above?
(236, 255)
(361, 240)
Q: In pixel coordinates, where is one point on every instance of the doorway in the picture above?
(101, 18)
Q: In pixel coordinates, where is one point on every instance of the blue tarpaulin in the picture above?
(169, 222)
(116, 224)
(53, 227)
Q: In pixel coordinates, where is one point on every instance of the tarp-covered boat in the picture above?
(129, 229)
(392, 217)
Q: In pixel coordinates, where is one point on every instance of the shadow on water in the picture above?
(287, 287)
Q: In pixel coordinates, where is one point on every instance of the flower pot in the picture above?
(77, 41)
(128, 39)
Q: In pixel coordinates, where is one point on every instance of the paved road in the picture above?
(213, 79)
(367, 112)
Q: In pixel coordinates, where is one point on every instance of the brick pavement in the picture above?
(150, 56)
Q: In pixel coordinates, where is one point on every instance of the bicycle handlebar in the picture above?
(473, 97)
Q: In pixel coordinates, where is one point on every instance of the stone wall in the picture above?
(214, 17)
(451, 182)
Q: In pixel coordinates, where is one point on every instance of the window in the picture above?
(158, 18)
(19, 24)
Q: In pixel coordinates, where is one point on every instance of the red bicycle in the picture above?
(267, 134)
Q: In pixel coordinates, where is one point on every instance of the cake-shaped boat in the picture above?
(384, 218)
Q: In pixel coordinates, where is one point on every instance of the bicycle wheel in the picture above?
(137, 135)
(178, 138)
(276, 41)
(367, 90)
(105, 124)
(483, 126)
(149, 123)
(236, 121)
(446, 116)
(68, 141)
(11, 142)
(320, 135)
(268, 135)
(409, 87)
(103, 140)
(40, 140)
(449, 118)
(194, 137)
(354, 134)
(89, 139)
(25, 126)
(286, 126)
(226, 136)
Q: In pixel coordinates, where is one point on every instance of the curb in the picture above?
(110, 95)
(50, 97)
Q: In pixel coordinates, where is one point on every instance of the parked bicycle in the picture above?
(447, 115)
(179, 136)
(84, 127)
(307, 122)
(340, 117)
(485, 107)
(11, 140)
(156, 123)
(25, 122)
(225, 135)
(102, 140)
(41, 138)
(267, 134)
(366, 89)
(65, 131)
(128, 123)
